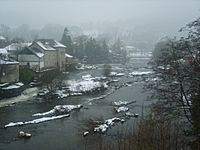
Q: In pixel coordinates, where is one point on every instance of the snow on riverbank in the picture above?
(123, 103)
(35, 121)
(140, 73)
(115, 74)
(61, 93)
(121, 109)
(128, 114)
(60, 109)
(102, 128)
(86, 67)
(86, 84)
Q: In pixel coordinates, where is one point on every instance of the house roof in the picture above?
(45, 46)
(5, 60)
(2, 38)
(16, 46)
(33, 51)
(58, 44)
(37, 52)
(49, 44)
(3, 51)
(68, 56)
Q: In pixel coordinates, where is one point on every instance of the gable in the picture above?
(32, 51)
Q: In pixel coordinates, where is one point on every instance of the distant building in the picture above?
(3, 52)
(3, 42)
(45, 54)
(14, 48)
(9, 70)
(137, 53)
(71, 61)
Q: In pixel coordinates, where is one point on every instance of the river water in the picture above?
(67, 133)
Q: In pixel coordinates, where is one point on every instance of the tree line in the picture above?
(93, 51)
(176, 83)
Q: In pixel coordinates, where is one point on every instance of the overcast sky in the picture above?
(37, 13)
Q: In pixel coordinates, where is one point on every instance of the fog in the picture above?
(37, 13)
(135, 21)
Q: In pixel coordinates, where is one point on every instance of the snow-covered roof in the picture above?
(16, 46)
(7, 62)
(39, 54)
(2, 38)
(3, 51)
(34, 51)
(68, 56)
(45, 46)
(49, 44)
(58, 44)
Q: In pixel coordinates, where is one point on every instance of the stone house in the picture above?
(54, 53)
(9, 70)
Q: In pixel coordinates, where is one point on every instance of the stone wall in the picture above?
(50, 59)
(9, 73)
(61, 58)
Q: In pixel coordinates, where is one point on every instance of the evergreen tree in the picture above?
(105, 51)
(91, 50)
(119, 52)
(67, 41)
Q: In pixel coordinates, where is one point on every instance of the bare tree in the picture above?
(176, 84)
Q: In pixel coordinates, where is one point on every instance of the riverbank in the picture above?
(123, 89)
(25, 96)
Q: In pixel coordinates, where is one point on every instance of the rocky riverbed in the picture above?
(111, 103)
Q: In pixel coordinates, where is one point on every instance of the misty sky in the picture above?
(37, 13)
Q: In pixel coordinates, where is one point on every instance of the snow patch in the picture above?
(140, 73)
(85, 133)
(122, 103)
(13, 86)
(86, 67)
(59, 109)
(102, 128)
(35, 121)
(43, 92)
(132, 114)
(121, 109)
(61, 93)
(115, 74)
(86, 84)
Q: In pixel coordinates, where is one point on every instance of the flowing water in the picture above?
(67, 133)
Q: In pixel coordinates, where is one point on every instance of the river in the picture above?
(67, 133)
